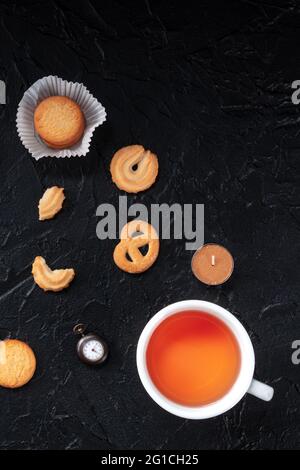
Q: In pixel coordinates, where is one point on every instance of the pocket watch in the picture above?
(91, 349)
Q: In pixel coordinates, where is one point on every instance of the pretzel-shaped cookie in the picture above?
(134, 236)
(133, 168)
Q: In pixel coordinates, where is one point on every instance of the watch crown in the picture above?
(79, 329)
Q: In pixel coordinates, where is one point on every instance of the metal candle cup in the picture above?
(212, 264)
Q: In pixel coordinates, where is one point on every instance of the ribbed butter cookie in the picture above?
(134, 169)
(48, 279)
(51, 202)
(134, 236)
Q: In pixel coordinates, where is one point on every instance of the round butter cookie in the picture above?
(134, 169)
(17, 363)
(59, 121)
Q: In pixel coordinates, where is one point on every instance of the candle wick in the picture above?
(213, 260)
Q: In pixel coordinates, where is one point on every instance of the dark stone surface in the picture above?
(209, 90)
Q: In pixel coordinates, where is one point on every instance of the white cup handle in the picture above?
(261, 390)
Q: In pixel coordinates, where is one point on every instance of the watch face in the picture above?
(92, 349)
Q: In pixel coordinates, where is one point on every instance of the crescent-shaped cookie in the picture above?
(134, 169)
(46, 279)
(17, 363)
(51, 202)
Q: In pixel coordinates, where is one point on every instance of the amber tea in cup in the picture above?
(193, 358)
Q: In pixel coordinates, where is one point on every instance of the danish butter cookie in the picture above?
(128, 255)
(47, 279)
(17, 363)
(59, 121)
(134, 169)
(51, 202)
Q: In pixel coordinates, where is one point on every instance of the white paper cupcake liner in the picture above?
(93, 111)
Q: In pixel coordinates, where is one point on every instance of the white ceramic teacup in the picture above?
(245, 383)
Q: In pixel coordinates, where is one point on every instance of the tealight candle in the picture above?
(212, 264)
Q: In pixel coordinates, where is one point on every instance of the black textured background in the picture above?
(209, 90)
